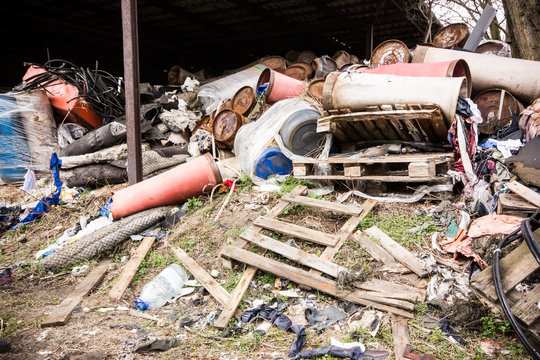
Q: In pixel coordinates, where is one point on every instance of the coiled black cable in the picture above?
(103, 92)
(524, 231)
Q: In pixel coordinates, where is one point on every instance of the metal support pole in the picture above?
(131, 77)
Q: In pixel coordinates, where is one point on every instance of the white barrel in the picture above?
(356, 91)
(519, 77)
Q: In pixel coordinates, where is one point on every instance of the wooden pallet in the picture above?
(392, 168)
(406, 122)
(515, 267)
(400, 305)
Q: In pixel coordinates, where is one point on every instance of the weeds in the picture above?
(193, 203)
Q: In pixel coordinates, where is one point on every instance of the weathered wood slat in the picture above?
(400, 332)
(304, 278)
(62, 312)
(207, 281)
(377, 252)
(401, 254)
(394, 290)
(298, 231)
(514, 267)
(292, 253)
(130, 269)
(323, 204)
(526, 309)
(524, 192)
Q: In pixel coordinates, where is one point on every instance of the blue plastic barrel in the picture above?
(272, 162)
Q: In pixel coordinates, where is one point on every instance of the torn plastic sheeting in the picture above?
(46, 202)
(27, 135)
(324, 318)
(280, 320)
(494, 224)
(422, 191)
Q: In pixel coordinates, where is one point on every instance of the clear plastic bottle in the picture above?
(162, 288)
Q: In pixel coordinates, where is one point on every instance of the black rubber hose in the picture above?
(502, 297)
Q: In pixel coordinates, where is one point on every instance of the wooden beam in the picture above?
(62, 312)
(131, 268)
(292, 253)
(219, 293)
(304, 278)
(297, 231)
(401, 254)
(400, 331)
(323, 204)
(524, 192)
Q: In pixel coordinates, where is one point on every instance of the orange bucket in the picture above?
(280, 86)
(169, 188)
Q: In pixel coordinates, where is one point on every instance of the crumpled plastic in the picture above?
(280, 320)
(324, 318)
(44, 205)
(494, 224)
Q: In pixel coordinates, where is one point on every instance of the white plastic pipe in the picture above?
(357, 91)
(517, 76)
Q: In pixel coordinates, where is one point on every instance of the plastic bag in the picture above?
(27, 135)
(254, 138)
(211, 95)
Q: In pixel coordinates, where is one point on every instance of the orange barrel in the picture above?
(454, 68)
(279, 86)
(64, 99)
(169, 188)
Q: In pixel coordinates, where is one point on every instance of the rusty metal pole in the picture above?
(131, 80)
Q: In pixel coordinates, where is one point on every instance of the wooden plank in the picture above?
(62, 312)
(323, 204)
(421, 169)
(401, 254)
(304, 278)
(297, 231)
(206, 280)
(526, 309)
(400, 332)
(379, 254)
(240, 290)
(437, 158)
(514, 267)
(515, 202)
(395, 290)
(292, 253)
(524, 192)
(131, 268)
(236, 296)
(346, 231)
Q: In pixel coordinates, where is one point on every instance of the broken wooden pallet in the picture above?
(406, 122)
(323, 264)
(515, 267)
(392, 168)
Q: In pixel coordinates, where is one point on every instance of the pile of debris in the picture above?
(423, 120)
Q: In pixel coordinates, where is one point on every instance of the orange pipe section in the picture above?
(169, 188)
(61, 97)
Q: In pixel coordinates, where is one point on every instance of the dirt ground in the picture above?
(97, 329)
